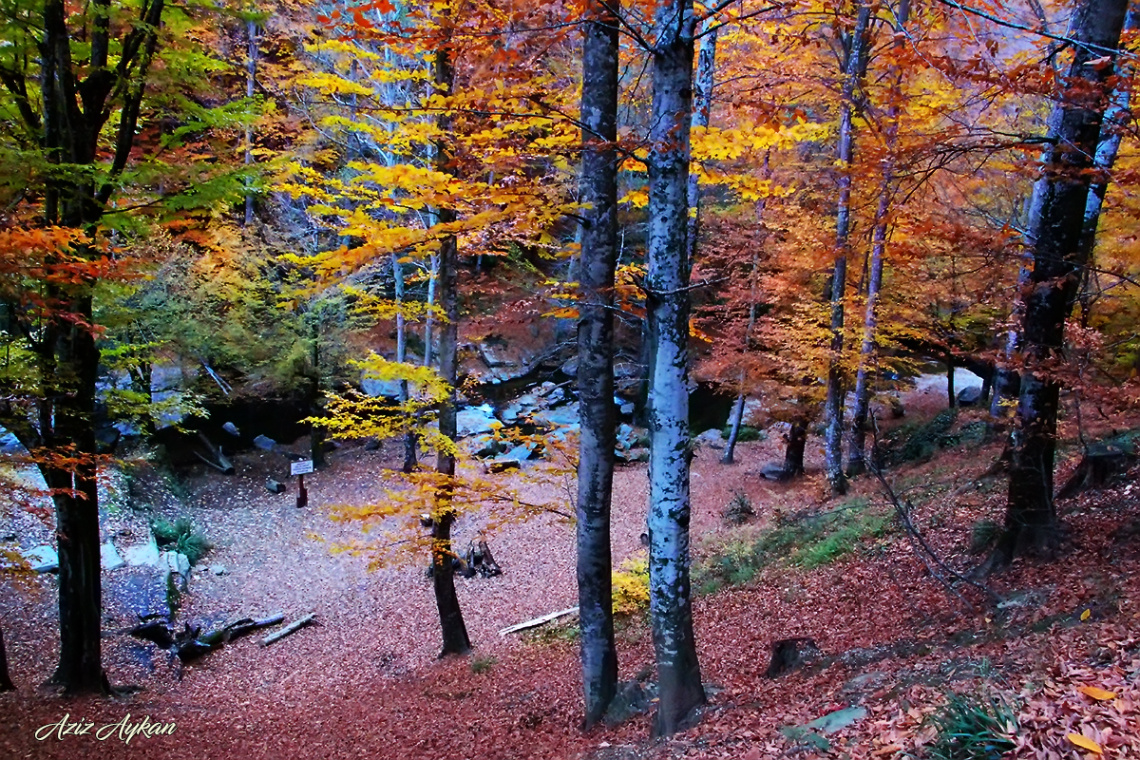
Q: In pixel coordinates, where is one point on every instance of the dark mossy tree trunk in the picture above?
(836, 381)
(70, 130)
(5, 677)
(595, 359)
(667, 307)
(454, 630)
(794, 451)
(1056, 222)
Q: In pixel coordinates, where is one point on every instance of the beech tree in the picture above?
(667, 308)
(595, 357)
(1056, 223)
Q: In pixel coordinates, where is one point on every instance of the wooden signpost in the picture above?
(300, 469)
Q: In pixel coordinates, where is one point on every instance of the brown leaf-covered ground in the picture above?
(365, 682)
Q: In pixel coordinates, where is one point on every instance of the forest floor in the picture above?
(365, 682)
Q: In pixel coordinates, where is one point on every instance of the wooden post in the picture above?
(302, 494)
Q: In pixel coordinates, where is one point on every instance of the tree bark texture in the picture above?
(856, 459)
(595, 360)
(454, 630)
(702, 109)
(667, 305)
(1056, 221)
(836, 390)
(5, 677)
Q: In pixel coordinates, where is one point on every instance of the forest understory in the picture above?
(364, 682)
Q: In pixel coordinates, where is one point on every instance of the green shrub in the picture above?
(482, 663)
(982, 535)
(745, 434)
(739, 509)
(973, 727)
(180, 536)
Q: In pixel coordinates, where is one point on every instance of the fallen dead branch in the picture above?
(536, 622)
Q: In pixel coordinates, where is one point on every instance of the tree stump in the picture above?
(1102, 462)
(792, 654)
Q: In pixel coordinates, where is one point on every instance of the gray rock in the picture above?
(473, 420)
(142, 554)
(176, 565)
(626, 409)
(522, 452)
(566, 416)
(135, 594)
(713, 438)
(773, 471)
(570, 367)
(970, 396)
(219, 570)
(43, 559)
(109, 557)
(232, 429)
(484, 446)
(837, 721)
(265, 443)
(376, 388)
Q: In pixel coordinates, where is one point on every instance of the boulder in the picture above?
(562, 417)
(136, 593)
(265, 443)
(472, 420)
(142, 554)
(712, 438)
(370, 386)
(109, 557)
(232, 429)
(970, 396)
(42, 559)
(176, 565)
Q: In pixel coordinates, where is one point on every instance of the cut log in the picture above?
(536, 622)
(156, 631)
(296, 625)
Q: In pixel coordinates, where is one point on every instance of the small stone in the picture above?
(219, 570)
(265, 443)
(232, 429)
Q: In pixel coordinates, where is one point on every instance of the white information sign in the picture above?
(301, 468)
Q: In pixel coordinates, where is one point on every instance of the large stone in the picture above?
(712, 438)
(473, 420)
(970, 395)
(142, 554)
(135, 594)
(376, 388)
(565, 416)
(176, 565)
(109, 557)
(837, 721)
(265, 443)
(232, 429)
(42, 559)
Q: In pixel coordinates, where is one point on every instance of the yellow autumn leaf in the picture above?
(1086, 615)
(1096, 692)
(1085, 743)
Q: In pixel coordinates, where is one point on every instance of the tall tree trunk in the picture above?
(1116, 121)
(429, 318)
(402, 356)
(856, 461)
(794, 451)
(250, 81)
(595, 359)
(702, 110)
(836, 390)
(454, 630)
(667, 307)
(1056, 222)
(5, 677)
